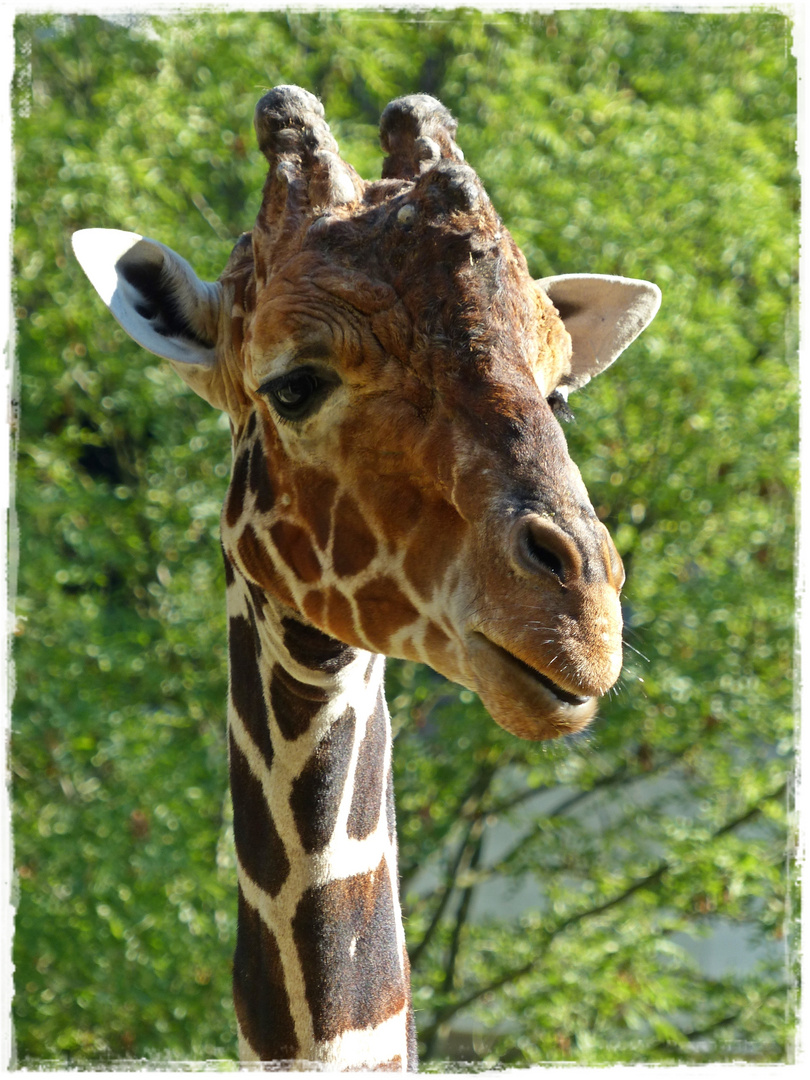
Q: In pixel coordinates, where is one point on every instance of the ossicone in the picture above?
(290, 121)
(416, 132)
(306, 174)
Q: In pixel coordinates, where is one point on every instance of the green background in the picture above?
(553, 893)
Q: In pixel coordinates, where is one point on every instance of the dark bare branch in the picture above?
(653, 879)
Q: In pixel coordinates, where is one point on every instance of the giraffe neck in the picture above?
(320, 970)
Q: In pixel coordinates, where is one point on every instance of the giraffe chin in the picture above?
(521, 699)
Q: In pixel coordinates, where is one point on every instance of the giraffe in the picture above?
(400, 486)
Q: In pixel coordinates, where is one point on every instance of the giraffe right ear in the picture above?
(155, 296)
(603, 315)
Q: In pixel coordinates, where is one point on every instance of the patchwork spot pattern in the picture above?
(364, 813)
(260, 849)
(317, 791)
(259, 990)
(346, 927)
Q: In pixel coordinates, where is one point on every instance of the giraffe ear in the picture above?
(154, 294)
(603, 315)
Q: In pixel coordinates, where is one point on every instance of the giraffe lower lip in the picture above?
(564, 696)
(557, 691)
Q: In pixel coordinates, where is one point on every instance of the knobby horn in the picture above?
(416, 132)
(306, 177)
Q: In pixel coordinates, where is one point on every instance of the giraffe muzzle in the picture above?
(545, 644)
(521, 698)
(540, 547)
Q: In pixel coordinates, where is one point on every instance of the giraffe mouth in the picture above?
(522, 699)
(563, 695)
(544, 680)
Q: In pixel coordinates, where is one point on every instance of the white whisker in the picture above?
(636, 651)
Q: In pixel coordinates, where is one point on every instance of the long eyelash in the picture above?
(560, 407)
(266, 386)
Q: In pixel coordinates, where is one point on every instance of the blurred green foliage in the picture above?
(550, 890)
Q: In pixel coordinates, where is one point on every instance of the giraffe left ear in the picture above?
(603, 315)
(153, 293)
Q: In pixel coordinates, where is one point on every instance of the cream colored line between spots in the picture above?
(362, 702)
(277, 783)
(438, 611)
(354, 856)
(341, 858)
(391, 863)
(237, 606)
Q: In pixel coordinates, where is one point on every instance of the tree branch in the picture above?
(697, 1033)
(723, 1021)
(463, 910)
(450, 1009)
(618, 776)
(475, 791)
(472, 839)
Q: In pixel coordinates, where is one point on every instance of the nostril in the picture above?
(542, 546)
(544, 557)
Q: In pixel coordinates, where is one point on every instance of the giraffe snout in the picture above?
(573, 576)
(539, 547)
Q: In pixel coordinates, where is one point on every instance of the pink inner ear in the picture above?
(603, 315)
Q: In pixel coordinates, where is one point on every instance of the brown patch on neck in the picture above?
(259, 478)
(295, 704)
(235, 500)
(258, 844)
(345, 933)
(247, 689)
(311, 647)
(318, 789)
(364, 814)
(259, 991)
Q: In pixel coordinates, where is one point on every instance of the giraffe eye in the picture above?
(297, 395)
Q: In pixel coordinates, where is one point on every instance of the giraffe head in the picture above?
(394, 378)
